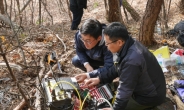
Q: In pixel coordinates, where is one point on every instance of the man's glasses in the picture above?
(110, 42)
(87, 41)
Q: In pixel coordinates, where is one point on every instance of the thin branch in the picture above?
(126, 15)
(61, 42)
(24, 7)
(48, 12)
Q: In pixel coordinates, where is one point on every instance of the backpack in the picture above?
(180, 38)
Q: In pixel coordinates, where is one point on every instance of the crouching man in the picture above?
(92, 54)
(141, 80)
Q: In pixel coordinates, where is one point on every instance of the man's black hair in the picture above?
(116, 31)
(91, 27)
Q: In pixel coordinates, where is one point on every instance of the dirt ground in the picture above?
(45, 40)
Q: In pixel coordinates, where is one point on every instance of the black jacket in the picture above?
(141, 76)
(98, 53)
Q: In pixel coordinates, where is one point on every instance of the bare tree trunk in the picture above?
(131, 10)
(168, 9)
(11, 2)
(40, 1)
(114, 11)
(106, 8)
(181, 6)
(152, 11)
(69, 11)
(1, 6)
(18, 5)
(32, 11)
(164, 16)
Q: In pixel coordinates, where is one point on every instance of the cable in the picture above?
(73, 87)
(106, 101)
(84, 100)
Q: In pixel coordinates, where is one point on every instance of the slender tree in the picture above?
(1, 7)
(181, 5)
(152, 11)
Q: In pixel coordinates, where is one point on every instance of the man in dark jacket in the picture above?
(92, 54)
(141, 80)
(76, 7)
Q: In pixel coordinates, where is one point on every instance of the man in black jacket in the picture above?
(92, 54)
(76, 7)
(141, 80)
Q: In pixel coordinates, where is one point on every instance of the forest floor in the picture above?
(45, 40)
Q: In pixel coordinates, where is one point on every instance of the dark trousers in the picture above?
(133, 105)
(94, 63)
(77, 16)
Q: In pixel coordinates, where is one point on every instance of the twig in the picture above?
(27, 3)
(61, 42)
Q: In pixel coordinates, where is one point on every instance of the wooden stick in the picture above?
(23, 102)
(21, 105)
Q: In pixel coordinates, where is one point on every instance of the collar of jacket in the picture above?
(123, 51)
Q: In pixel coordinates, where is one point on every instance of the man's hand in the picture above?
(81, 77)
(92, 82)
(88, 67)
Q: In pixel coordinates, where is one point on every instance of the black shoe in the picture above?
(74, 28)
